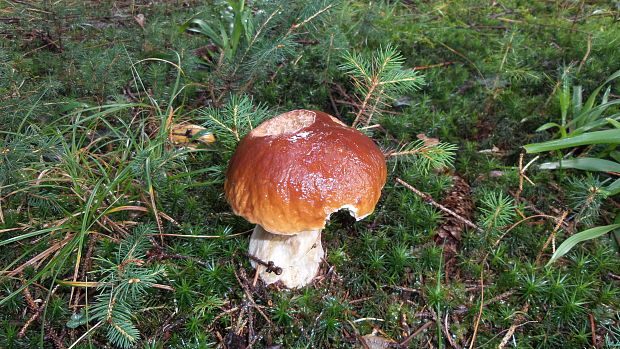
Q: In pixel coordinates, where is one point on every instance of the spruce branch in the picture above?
(378, 77)
(125, 282)
(427, 152)
(497, 210)
(233, 120)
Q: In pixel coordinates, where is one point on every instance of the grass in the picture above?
(94, 196)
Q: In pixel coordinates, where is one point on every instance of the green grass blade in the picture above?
(577, 99)
(612, 76)
(613, 188)
(548, 126)
(28, 235)
(589, 234)
(588, 164)
(597, 137)
(205, 29)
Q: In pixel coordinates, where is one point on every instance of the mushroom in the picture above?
(288, 175)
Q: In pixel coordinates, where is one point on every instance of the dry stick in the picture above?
(357, 105)
(583, 61)
(613, 276)
(249, 295)
(462, 56)
(371, 90)
(541, 24)
(36, 314)
(430, 200)
(442, 64)
(256, 275)
(523, 176)
(446, 330)
(501, 66)
(202, 236)
(425, 326)
(1, 214)
(500, 297)
(85, 334)
(374, 107)
(519, 222)
(514, 326)
(551, 237)
(593, 328)
(473, 338)
(542, 214)
(295, 26)
(36, 309)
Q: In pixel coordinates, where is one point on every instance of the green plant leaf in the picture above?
(589, 234)
(597, 137)
(548, 126)
(577, 99)
(591, 119)
(613, 188)
(205, 29)
(588, 164)
(613, 122)
(612, 76)
(597, 123)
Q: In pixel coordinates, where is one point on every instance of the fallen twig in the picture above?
(473, 338)
(551, 237)
(430, 200)
(514, 326)
(418, 331)
(585, 57)
(522, 176)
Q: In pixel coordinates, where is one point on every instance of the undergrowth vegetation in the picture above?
(497, 226)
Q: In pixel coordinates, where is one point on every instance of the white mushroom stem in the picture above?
(298, 255)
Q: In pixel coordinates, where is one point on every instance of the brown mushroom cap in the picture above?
(294, 170)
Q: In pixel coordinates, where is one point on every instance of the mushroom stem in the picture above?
(298, 255)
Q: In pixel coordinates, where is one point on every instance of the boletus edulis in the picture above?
(288, 175)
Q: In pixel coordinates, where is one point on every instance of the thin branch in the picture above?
(430, 200)
(418, 331)
(295, 26)
(514, 326)
(473, 339)
(551, 236)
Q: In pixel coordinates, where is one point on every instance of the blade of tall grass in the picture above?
(597, 137)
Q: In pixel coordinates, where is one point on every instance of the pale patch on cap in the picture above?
(286, 123)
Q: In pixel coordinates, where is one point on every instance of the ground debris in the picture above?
(377, 342)
(458, 199)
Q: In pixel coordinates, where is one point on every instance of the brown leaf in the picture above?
(185, 134)
(427, 140)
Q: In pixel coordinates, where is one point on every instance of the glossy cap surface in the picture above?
(292, 171)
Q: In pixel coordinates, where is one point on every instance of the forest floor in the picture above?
(114, 229)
